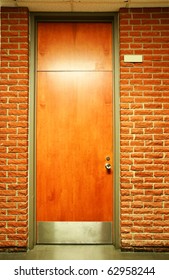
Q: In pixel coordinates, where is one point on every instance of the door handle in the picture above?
(108, 166)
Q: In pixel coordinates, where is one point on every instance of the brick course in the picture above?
(144, 94)
(14, 87)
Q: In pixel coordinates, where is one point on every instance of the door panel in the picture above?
(74, 133)
(74, 46)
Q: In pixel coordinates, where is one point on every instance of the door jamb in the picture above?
(67, 17)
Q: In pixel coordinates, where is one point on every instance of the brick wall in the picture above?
(144, 154)
(14, 128)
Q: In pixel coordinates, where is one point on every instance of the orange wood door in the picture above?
(74, 122)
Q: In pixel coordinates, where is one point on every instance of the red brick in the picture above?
(17, 236)
(7, 244)
(7, 205)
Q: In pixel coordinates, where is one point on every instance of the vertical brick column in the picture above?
(14, 89)
(145, 129)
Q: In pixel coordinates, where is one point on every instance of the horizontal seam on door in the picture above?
(74, 71)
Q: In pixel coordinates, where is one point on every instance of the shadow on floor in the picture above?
(81, 252)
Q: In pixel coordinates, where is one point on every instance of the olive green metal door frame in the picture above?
(66, 17)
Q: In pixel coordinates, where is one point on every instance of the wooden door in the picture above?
(74, 124)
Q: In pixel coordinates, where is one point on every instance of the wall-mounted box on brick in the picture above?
(133, 58)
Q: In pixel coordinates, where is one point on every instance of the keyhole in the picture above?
(107, 158)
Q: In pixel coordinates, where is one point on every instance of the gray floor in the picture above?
(81, 252)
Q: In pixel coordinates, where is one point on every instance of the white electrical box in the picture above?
(133, 58)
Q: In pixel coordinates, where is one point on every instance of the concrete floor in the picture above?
(81, 252)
